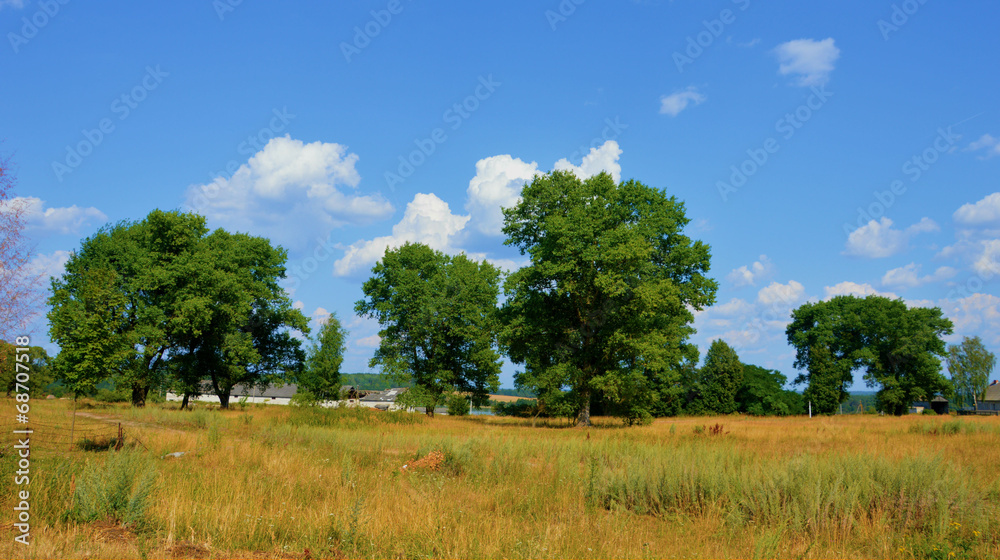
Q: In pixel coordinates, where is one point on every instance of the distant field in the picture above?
(282, 482)
(506, 398)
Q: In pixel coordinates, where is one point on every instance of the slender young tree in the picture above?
(970, 365)
(321, 376)
(19, 293)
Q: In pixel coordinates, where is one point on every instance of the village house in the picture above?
(991, 400)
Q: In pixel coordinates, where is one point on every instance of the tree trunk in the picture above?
(139, 393)
(583, 417)
(224, 400)
(184, 402)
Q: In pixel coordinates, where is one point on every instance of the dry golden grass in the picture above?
(278, 482)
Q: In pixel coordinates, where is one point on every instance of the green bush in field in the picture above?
(118, 394)
(521, 408)
(458, 405)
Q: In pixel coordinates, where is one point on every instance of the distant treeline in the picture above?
(370, 381)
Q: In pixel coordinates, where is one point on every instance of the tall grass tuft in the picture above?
(806, 493)
(119, 489)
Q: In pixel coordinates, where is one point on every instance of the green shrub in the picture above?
(458, 405)
(116, 395)
(521, 408)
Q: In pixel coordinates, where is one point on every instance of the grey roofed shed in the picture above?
(269, 392)
(387, 396)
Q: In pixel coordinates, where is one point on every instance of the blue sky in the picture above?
(820, 148)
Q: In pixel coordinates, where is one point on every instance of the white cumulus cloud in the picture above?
(978, 313)
(809, 60)
(878, 239)
(909, 276)
(676, 102)
(603, 158)
(987, 264)
(985, 211)
(987, 143)
(427, 219)
(785, 295)
(51, 265)
(855, 289)
(310, 186)
(65, 220)
(749, 275)
(497, 184)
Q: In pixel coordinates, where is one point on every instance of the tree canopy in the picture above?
(763, 393)
(606, 304)
(438, 318)
(38, 366)
(897, 346)
(970, 365)
(143, 300)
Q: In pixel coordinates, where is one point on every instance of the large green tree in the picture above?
(898, 347)
(321, 376)
(970, 365)
(143, 300)
(605, 307)
(438, 319)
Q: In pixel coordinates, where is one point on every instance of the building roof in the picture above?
(389, 395)
(269, 392)
(993, 392)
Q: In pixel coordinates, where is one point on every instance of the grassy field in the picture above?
(283, 482)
